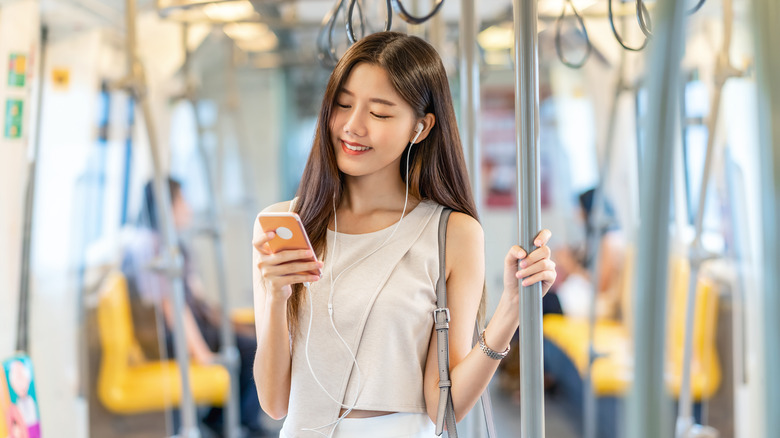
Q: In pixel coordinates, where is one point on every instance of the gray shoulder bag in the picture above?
(441, 318)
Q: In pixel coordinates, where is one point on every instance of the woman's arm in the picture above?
(273, 275)
(470, 369)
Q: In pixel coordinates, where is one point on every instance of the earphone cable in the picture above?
(333, 280)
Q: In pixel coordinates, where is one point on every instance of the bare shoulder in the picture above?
(465, 239)
(463, 229)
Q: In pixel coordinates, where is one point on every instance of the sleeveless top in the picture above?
(382, 307)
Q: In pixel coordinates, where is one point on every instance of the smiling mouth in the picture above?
(354, 147)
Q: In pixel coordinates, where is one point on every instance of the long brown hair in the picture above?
(437, 167)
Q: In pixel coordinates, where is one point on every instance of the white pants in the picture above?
(398, 425)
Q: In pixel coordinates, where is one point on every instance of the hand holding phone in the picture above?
(289, 235)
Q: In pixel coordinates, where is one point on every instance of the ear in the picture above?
(428, 121)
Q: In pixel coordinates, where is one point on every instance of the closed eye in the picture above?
(378, 116)
(341, 105)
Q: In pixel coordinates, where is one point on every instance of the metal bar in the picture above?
(128, 159)
(595, 221)
(171, 256)
(649, 407)
(685, 424)
(228, 351)
(23, 324)
(232, 108)
(767, 37)
(526, 58)
(469, 95)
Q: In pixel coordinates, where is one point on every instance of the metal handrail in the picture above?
(593, 250)
(648, 408)
(172, 263)
(229, 354)
(526, 57)
(766, 15)
(685, 424)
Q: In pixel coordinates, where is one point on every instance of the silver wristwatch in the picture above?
(491, 353)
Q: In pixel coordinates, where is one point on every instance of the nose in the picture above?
(355, 124)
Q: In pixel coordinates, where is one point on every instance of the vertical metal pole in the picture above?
(767, 37)
(228, 350)
(171, 256)
(23, 323)
(596, 222)
(685, 425)
(649, 408)
(233, 110)
(469, 95)
(128, 158)
(527, 125)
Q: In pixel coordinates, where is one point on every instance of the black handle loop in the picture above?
(611, 19)
(696, 8)
(643, 17)
(351, 12)
(645, 21)
(558, 29)
(350, 17)
(411, 19)
(326, 52)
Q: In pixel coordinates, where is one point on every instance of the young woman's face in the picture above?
(371, 124)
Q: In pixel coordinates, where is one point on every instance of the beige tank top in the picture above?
(382, 307)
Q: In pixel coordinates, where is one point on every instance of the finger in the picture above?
(541, 276)
(288, 280)
(543, 237)
(262, 240)
(542, 265)
(515, 253)
(536, 255)
(289, 256)
(291, 268)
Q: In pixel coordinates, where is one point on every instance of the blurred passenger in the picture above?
(572, 291)
(574, 287)
(201, 320)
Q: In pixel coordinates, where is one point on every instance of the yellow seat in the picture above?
(613, 373)
(129, 384)
(244, 315)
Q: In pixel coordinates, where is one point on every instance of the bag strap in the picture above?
(441, 316)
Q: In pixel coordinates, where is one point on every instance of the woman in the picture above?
(352, 353)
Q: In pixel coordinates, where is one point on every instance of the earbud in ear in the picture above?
(419, 127)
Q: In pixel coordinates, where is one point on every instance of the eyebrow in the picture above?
(373, 99)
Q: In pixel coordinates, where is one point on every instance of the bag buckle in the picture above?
(446, 311)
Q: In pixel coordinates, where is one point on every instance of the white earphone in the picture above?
(418, 129)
